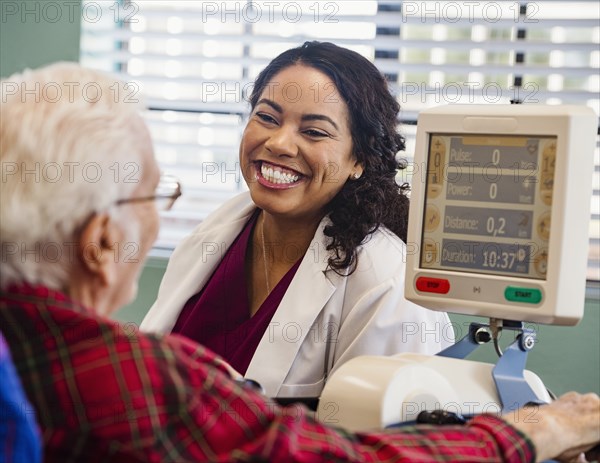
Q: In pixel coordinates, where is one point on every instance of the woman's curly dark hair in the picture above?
(375, 199)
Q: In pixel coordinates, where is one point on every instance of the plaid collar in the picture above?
(49, 297)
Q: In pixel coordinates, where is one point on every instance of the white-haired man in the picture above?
(78, 216)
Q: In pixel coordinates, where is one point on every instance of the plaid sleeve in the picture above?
(218, 420)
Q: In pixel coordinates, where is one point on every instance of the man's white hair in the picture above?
(70, 146)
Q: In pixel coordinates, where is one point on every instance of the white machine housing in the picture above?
(554, 298)
(370, 392)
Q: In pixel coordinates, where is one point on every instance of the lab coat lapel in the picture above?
(303, 301)
(209, 252)
(192, 265)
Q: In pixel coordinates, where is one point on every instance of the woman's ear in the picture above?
(98, 242)
(357, 170)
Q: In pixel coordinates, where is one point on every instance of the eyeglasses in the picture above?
(167, 192)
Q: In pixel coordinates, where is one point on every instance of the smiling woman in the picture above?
(306, 270)
(307, 138)
(296, 155)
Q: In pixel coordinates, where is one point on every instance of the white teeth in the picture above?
(277, 175)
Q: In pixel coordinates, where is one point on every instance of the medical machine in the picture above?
(498, 228)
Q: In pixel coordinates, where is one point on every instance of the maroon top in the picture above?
(218, 317)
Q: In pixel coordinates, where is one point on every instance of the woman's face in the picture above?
(296, 151)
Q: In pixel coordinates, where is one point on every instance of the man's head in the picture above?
(72, 146)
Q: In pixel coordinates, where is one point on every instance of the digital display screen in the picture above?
(488, 204)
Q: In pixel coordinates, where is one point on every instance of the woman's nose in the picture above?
(282, 142)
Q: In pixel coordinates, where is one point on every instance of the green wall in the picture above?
(152, 274)
(565, 358)
(34, 33)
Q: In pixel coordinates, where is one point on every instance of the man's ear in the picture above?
(98, 242)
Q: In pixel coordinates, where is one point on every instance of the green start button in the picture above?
(528, 295)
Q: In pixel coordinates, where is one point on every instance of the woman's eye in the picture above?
(315, 133)
(266, 118)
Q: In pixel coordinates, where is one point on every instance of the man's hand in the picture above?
(563, 429)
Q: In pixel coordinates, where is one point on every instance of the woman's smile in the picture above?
(276, 176)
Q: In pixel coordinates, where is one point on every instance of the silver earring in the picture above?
(355, 175)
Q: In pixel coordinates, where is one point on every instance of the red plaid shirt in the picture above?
(104, 392)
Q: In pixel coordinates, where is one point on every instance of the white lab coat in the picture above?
(323, 320)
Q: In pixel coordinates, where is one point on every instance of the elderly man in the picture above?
(78, 215)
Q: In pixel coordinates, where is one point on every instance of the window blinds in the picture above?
(195, 61)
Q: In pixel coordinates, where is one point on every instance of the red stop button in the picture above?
(433, 285)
